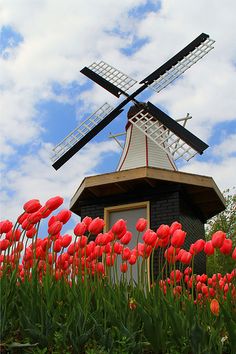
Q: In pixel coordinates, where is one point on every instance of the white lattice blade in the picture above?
(79, 132)
(114, 76)
(182, 65)
(168, 141)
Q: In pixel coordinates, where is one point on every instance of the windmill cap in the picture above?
(134, 109)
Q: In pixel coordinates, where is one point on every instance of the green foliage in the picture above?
(95, 317)
(226, 222)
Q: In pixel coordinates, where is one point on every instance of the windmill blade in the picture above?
(179, 63)
(169, 135)
(109, 78)
(83, 134)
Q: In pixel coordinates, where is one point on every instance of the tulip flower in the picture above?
(178, 238)
(132, 259)
(141, 224)
(87, 220)
(163, 231)
(218, 238)
(57, 246)
(126, 253)
(82, 242)
(13, 235)
(197, 247)
(215, 307)
(234, 254)
(80, 229)
(123, 267)
(226, 247)
(32, 206)
(175, 226)
(176, 275)
(96, 226)
(5, 226)
(4, 244)
(54, 203)
(150, 237)
(119, 228)
(64, 216)
(208, 248)
(66, 240)
(55, 228)
(117, 248)
(126, 238)
(30, 233)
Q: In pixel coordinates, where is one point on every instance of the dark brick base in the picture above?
(166, 205)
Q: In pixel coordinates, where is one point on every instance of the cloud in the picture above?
(34, 177)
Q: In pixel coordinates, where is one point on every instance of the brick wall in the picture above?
(165, 207)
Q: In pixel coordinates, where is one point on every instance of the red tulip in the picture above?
(26, 225)
(176, 275)
(175, 226)
(117, 248)
(150, 237)
(80, 229)
(54, 203)
(55, 228)
(171, 254)
(45, 212)
(215, 307)
(234, 254)
(126, 253)
(163, 231)
(141, 224)
(72, 248)
(100, 268)
(163, 242)
(226, 247)
(208, 248)
(4, 244)
(82, 242)
(5, 226)
(185, 257)
(30, 233)
(66, 240)
(13, 235)
(123, 267)
(87, 220)
(218, 238)
(33, 218)
(57, 246)
(32, 205)
(126, 238)
(178, 238)
(22, 217)
(110, 260)
(197, 246)
(119, 228)
(64, 216)
(96, 226)
(132, 259)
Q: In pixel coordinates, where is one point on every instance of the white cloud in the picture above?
(34, 177)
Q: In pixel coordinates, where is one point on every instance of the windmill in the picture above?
(166, 133)
(146, 183)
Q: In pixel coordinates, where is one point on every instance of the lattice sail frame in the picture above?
(116, 77)
(162, 136)
(184, 64)
(79, 132)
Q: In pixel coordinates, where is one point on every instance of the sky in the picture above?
(43, 96)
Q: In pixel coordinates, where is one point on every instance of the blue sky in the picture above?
(43, 95)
